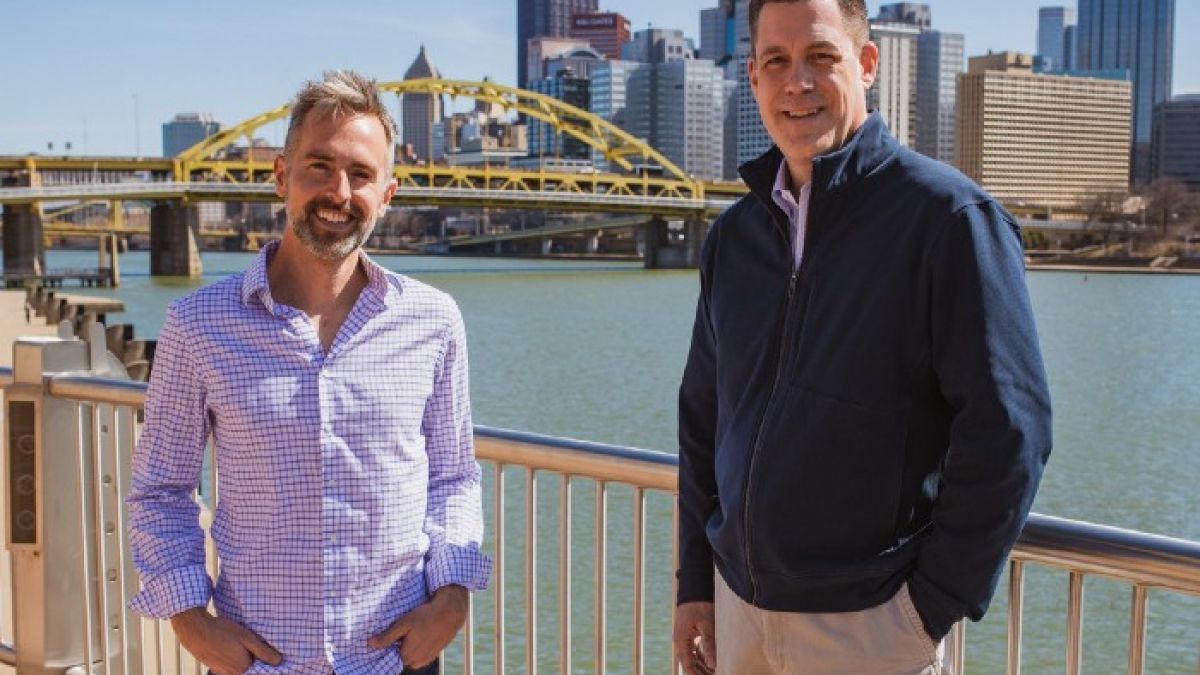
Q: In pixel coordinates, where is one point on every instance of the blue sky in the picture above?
(75, 67)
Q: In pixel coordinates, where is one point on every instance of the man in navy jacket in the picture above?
(864, 416)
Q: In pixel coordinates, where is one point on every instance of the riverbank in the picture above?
(1108, 269)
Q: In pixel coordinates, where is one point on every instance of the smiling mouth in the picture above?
(334, 217)
(802, 114)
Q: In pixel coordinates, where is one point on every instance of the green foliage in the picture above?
(1033, 239)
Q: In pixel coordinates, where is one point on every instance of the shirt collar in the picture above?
(255, 283)
(783, 183)
(782, 193)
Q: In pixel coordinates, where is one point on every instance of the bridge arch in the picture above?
(618, 146)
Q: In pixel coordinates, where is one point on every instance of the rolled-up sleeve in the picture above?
(454, 514)
(165, 538)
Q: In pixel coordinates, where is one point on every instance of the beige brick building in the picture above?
(1041, 142)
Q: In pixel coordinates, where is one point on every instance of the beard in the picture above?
(331, 245)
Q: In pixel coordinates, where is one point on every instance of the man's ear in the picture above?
(281, 176)
(868, 58)
(388, 194)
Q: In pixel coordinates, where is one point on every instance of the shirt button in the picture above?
(333, 539)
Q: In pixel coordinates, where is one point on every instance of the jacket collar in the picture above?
(868, 148)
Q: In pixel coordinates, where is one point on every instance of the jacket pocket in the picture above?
(827, 485)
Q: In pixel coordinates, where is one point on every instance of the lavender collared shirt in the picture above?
(795, 209)
(348, 485)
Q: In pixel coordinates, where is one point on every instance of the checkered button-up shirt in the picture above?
(349, 490)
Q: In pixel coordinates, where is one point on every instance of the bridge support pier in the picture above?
(24, 250)
(661, 251)
(547, 245)
(109, 248)
(173, 247)
(593, 242)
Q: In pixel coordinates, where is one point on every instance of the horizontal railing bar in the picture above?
(94, 389)
(8, 656)
(605, 463)
(1127, 555)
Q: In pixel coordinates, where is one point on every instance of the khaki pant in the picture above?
(884, 640)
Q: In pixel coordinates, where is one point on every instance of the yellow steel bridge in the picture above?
(651, 183)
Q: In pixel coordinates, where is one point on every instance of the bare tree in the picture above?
(1104, 211)
(1167, 202)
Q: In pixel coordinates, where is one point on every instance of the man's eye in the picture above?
(824, 58)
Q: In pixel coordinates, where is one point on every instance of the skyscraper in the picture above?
(420, 113)
(718, 31)
(1137, 35)
(752, 137)
(606, 32)
(1053, 50)
(662, 94)
(186, 130)
(914, 89)
(1177, 140)
(912, 13)
(1041, 141)
(725, 40)
(545, 18)
(939, 62)
(608, 94)
(568, 87)
(895, 90)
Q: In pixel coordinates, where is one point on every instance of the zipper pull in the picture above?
(792, 284)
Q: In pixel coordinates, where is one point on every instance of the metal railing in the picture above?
(123, 643)
(405, 193)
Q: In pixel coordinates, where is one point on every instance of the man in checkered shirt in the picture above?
(349, 519)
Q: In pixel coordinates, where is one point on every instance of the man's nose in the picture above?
(800, 78)
(339, 186)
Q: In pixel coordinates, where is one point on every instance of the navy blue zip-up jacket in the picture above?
(882, 415)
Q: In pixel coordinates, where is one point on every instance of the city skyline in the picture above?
(110, 91)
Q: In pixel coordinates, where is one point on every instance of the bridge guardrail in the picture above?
(199, 190)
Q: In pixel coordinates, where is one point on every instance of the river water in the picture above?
(594, 350)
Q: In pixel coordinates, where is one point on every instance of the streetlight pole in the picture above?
(137, 128)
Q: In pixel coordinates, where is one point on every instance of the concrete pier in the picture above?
(173, 247)
(23, 249)
(678, 247)
(22, 229)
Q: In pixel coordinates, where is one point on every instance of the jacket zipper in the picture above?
(791, 294)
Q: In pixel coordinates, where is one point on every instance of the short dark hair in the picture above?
(854, 16)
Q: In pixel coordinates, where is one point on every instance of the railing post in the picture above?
(41, 507)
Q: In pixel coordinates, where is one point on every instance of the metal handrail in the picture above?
(94, 389)
(1127, 555)
(1141, 560)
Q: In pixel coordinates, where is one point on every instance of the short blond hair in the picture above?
(340, 92)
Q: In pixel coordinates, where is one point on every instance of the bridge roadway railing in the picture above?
(465, 195)
(102, 428)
